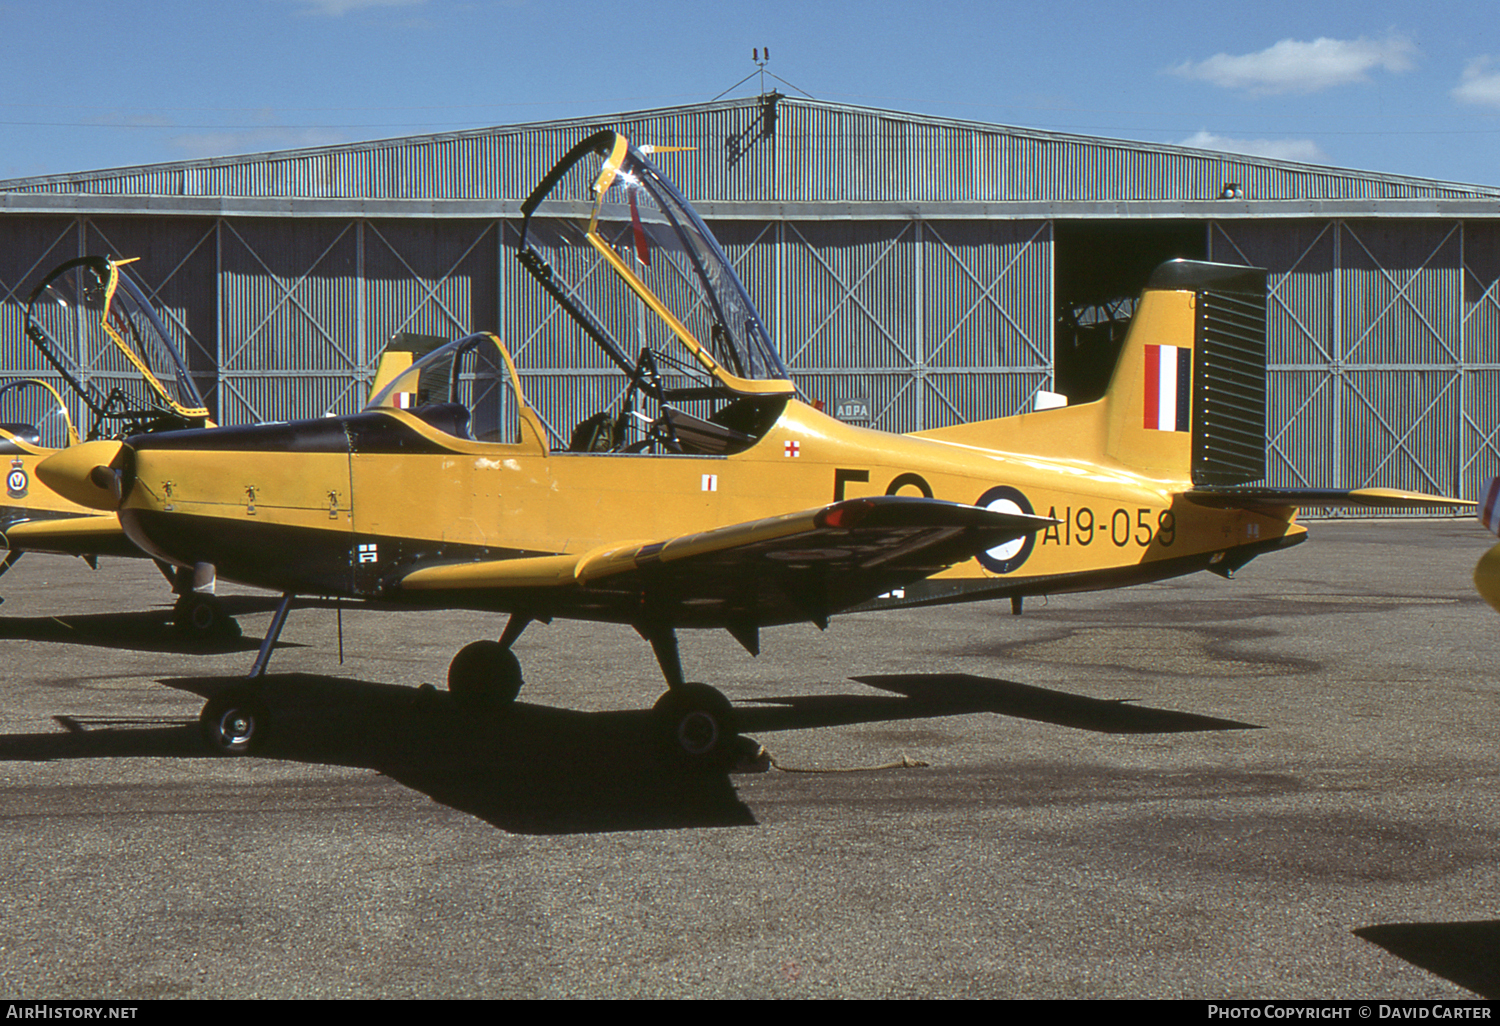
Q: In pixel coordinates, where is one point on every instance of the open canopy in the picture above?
(693, 332)
(94, 326)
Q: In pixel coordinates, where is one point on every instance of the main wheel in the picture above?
(203, 616)
(485, 673)
(233, 723)
(697, 725)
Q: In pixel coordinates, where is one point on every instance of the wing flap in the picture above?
(524, 572)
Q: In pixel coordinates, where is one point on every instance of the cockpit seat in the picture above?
(704, 437)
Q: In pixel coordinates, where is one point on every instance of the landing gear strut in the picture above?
(233, 722)
(696, 723)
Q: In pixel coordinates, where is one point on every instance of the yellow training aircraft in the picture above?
(707, 494)
(90, 322)
(1487, 573)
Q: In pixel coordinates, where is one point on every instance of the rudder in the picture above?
(1188, 396)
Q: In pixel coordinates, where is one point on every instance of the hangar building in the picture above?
(915, 271)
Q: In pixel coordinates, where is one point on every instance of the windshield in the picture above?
(32, 411)
(691, 317)
(464, 389)
(95, 327)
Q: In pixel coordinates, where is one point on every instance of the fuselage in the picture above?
(348, 506)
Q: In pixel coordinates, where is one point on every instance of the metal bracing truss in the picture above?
(974, 310)
(1279, 286)
(1040, 353)
(345, 322)
(255, 386)
(1024, 355)
(1479, 409)
(288, 288)
(1402, 296)
(16, 283)
(432, 289)
(847, 296)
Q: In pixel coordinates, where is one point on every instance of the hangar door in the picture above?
(1381, 345)
(921, 323)
(901, 326)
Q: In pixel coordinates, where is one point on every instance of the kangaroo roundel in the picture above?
(1003, 559)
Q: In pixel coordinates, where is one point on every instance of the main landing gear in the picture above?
(695, 723)
(487, 674)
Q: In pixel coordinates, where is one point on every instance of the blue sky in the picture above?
(1400, 88)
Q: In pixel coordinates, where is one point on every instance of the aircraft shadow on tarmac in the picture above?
(950, 694)
(144, 631)
(1467, 954)
(535, 769)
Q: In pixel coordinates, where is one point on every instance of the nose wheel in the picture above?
(233, 723)
(203, 616)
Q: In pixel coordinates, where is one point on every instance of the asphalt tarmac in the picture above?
(1282, 786)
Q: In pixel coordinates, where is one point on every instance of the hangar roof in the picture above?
(764, 157)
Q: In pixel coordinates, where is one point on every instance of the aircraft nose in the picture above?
(95, 474)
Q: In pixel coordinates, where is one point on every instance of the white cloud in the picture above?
(129, 120)
(253, 140)
(1481, 83)
(1292, 66)
(1304, 150)
(335, 8)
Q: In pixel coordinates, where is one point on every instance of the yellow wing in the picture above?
(798, 566)
(71, 536)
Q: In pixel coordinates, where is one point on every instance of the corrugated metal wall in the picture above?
(930, 323)
(795, 151)
(1382, 350)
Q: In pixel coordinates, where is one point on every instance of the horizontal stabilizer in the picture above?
(1335, 498)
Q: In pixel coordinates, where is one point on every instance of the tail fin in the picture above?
(1188, 396)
